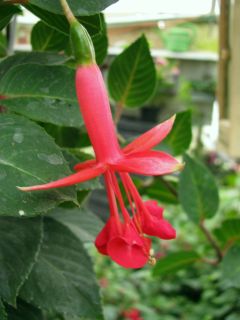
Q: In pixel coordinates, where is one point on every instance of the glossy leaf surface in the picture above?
(62, 280)
(30, 156)
(198, 193)
(82, 222)
(48, 98)
(19, 249)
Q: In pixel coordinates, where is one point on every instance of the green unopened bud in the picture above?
(81, 43)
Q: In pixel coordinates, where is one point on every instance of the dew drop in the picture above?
(21, 212)
(54, 158)
(18, 136)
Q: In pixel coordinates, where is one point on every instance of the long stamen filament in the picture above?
(112, 199)
(129, 196)
(138, 199)
(119, 197)
(128, 185)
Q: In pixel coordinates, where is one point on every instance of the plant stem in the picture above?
(169, 187)
(67, 11)
(118, 113)
(15, 1)
(212, 241)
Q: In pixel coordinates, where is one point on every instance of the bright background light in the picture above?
(162, 6)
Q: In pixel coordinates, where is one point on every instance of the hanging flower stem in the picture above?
(212, 241)
(68, 12)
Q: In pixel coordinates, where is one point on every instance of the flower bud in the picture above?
(81, 43)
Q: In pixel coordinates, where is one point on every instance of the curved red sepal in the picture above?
(85, 165)
(149, 163)
(75, 178)
(151, 138)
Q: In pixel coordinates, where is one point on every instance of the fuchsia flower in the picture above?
(123, 237)
(132, 314)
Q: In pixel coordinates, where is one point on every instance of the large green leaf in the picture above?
(132, 75)
(49, 98)
(162, 189)
(82, 222)
(198, 192)
(230, 267)
(24, 311)
(3, 45)
(180, 137)
(93, 24)
(79, 7)
(45, 38)
(30, 57)
(29, 156)
(3, 315)
(55, 111)
(34, 80)
(229, 232)
(100, 42)
(73, 160)
(174, 262)
(6, 14)
(20, 241)
(62, 280)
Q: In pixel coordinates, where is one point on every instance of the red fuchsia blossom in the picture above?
(132, 314)
(123, 237)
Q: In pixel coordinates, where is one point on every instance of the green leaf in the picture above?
(6, 14)
(228, 232)
(62, 280)
(24, 311)
(49, 98)
(93, 24)
(54, 111)
(45, 38)
(73, 160)
(3, 45)
(100, 42)
(79, 7)
(19, 247)
(198, 192)
(82, 222)
(46, 82)
(179, 139)
(230, 267)
(30, 57)
(163, 190)
(132, 75)
(30, 157)
(174, 262)
(3, 315)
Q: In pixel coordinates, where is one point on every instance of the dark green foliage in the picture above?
(132, 76)
(198, 193)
